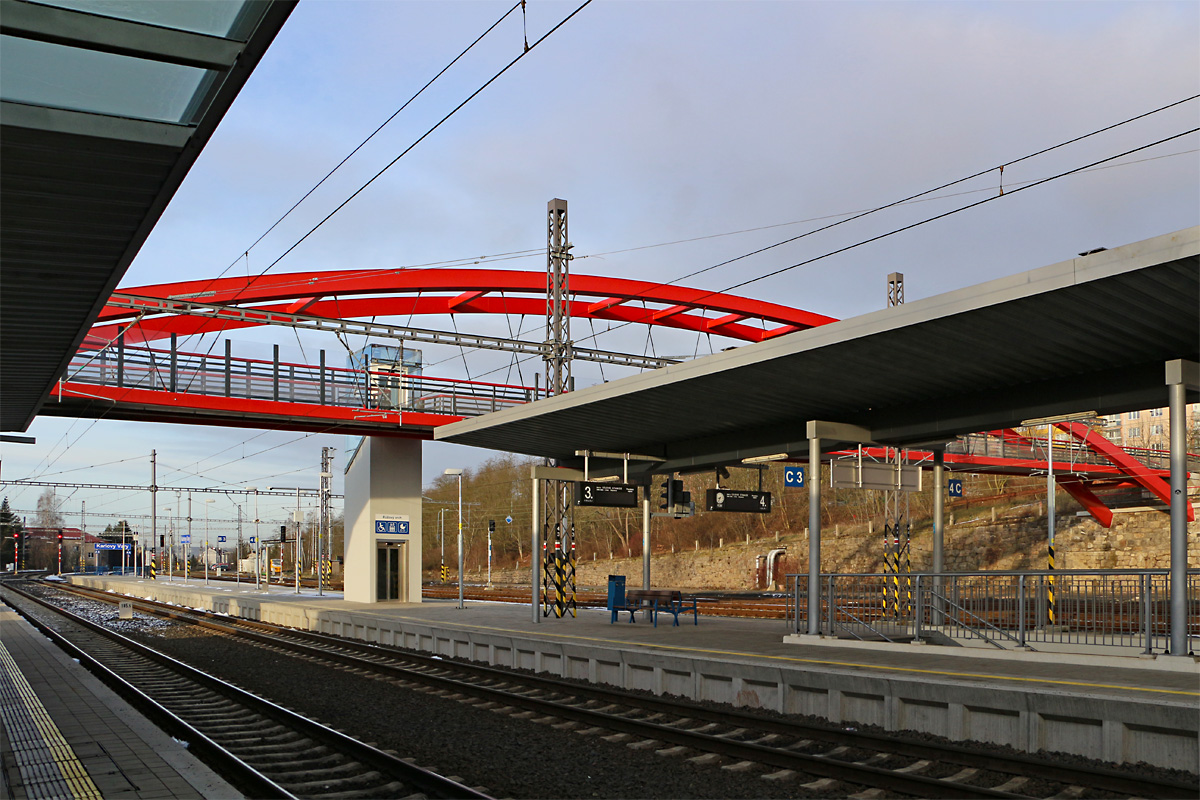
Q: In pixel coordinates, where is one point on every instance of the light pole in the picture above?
(459, 473)
(207, 500)
(187, 549)
(257, 542)
(442, 534)
(170, 561)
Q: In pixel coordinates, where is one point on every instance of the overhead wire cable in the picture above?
(917, 224)
(422, 138)
(373, 133)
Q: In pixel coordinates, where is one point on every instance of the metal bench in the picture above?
(654, 600)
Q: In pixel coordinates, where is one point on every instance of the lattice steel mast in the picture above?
(558, 562)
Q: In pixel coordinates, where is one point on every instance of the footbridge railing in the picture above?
(224, 375)
(1037, 610)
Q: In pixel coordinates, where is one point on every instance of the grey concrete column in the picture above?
(535, 557)
(1179, 556)
(939, 527)
(939, 510)
(814, 536)
(646, 540)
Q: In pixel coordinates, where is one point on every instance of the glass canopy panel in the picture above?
(55, 75)
(212, 17)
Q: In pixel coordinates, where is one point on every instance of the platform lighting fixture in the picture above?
(761, 459)
(458, 473)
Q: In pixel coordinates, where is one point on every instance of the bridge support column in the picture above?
(1182, 377)
(383, 491)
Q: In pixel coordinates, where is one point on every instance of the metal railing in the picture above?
(1004, 610)
(171, 370)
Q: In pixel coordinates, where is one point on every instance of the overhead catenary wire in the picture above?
(422, 138)
(382, 125)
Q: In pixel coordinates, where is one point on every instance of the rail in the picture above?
(173, 370)
(1061, 609)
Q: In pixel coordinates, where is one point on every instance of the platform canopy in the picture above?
(1089, 334)
(104, 107)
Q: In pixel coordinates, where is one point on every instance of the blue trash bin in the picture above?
(616, 591)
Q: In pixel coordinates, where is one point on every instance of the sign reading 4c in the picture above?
(954, 487)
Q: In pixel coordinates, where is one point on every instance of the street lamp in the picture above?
(459, 473)
(257, 542)
(207, 500)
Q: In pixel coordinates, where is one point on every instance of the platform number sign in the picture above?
(793, 476)
(220, 539)
(252, 540)
(954, 487)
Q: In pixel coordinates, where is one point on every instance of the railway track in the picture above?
(262, 748)
(827, 760)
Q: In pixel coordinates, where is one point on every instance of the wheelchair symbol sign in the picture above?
(384, 525)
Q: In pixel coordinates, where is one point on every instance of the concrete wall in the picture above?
(383, 478)
(1026, 717)
(1137, 540)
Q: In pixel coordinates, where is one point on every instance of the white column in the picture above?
(383, 478)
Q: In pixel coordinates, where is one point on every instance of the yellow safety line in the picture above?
(821, 661)
(73, 771)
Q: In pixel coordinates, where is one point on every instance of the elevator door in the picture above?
(389, 571)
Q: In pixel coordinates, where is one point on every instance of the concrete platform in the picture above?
(1115, 708)
(66, 735)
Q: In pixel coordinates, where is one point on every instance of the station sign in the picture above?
(391, 523)
(185, 538)
(852, 474)
(793, 476)
(737, 500)
(954, 487)
(612, 495)
(111, 546)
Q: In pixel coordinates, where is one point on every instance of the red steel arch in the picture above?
(350, 294)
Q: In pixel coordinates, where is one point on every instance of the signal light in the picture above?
(60, 537)
(673, 494)
(283, 533)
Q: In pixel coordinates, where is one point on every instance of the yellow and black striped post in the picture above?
(1050, 587)
(908, 584)
(154, 568)
(443, 573)
(570, 582)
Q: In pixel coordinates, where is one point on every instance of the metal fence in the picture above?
(259, 379)
(1005, 610)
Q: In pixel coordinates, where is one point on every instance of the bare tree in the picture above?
(48, 515)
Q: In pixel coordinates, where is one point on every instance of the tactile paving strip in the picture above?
(49, 767)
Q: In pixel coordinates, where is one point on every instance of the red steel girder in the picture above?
(1127, 463)
(156, 405)
(403, 292)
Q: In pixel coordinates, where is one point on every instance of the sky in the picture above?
(736, 125)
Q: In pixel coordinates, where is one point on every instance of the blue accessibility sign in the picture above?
(793, 476)
(954, 487)
(394, 526)
(186, 538)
